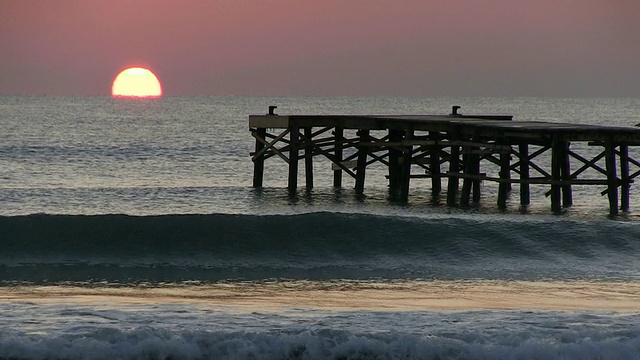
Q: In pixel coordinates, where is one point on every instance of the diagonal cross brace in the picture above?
(270, 145)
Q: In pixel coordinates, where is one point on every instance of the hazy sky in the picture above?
(431, 48)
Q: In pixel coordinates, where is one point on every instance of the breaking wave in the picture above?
(149, 343)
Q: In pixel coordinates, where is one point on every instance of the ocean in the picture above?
(129, 230)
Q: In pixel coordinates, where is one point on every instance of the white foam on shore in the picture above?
(147, 343)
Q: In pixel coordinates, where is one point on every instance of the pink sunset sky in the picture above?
(430, 48)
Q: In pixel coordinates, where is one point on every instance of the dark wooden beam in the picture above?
(612, 178)
(624, 174)
(258, 161)
(565, 174)
(337, 174)
(395, 154)
(505, 173)
(556, 155)
(405, 178)
(308, 157)
(454, 167)
(362, 161)
(525, 192)
(294, 136)
(434, 166)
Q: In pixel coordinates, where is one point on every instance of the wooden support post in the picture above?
(362, 161)
(469, 161)
(525, 193)
(505, 168)
(612, 179)
(434, 167)
(472, 167)
(337, 174)
(476, 182)
(465, 192)
(294, 138)
(556, 154)
(308, 157)
(565, 174)
(624, 174)
(505, 174)
(395, 170)
(258, 163)
(405, 181)
(454, 168)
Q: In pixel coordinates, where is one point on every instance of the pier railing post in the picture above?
(294, 137)
(258, 162)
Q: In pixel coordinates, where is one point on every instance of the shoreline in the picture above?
(353, 296)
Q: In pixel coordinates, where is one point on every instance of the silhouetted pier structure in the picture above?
(456, 148)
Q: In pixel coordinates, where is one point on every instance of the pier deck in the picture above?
(454, 147)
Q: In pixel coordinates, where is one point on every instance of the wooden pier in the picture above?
(456, 148)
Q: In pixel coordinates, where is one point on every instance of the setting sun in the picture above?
(136, 82)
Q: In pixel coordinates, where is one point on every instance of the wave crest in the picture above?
(314, 245)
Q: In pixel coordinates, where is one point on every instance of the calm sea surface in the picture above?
(129, 229)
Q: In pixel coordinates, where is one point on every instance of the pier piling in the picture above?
(505, 176)
(565, 174)
(361, 166)
(338, 133)
(556, 155)
(624, 174)
(454, 168)
(258, 162)
(434, 164)
(612, 178)
(308, 156)
(405, 179)
(525, 192)
(395, 156)
(294, 137)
